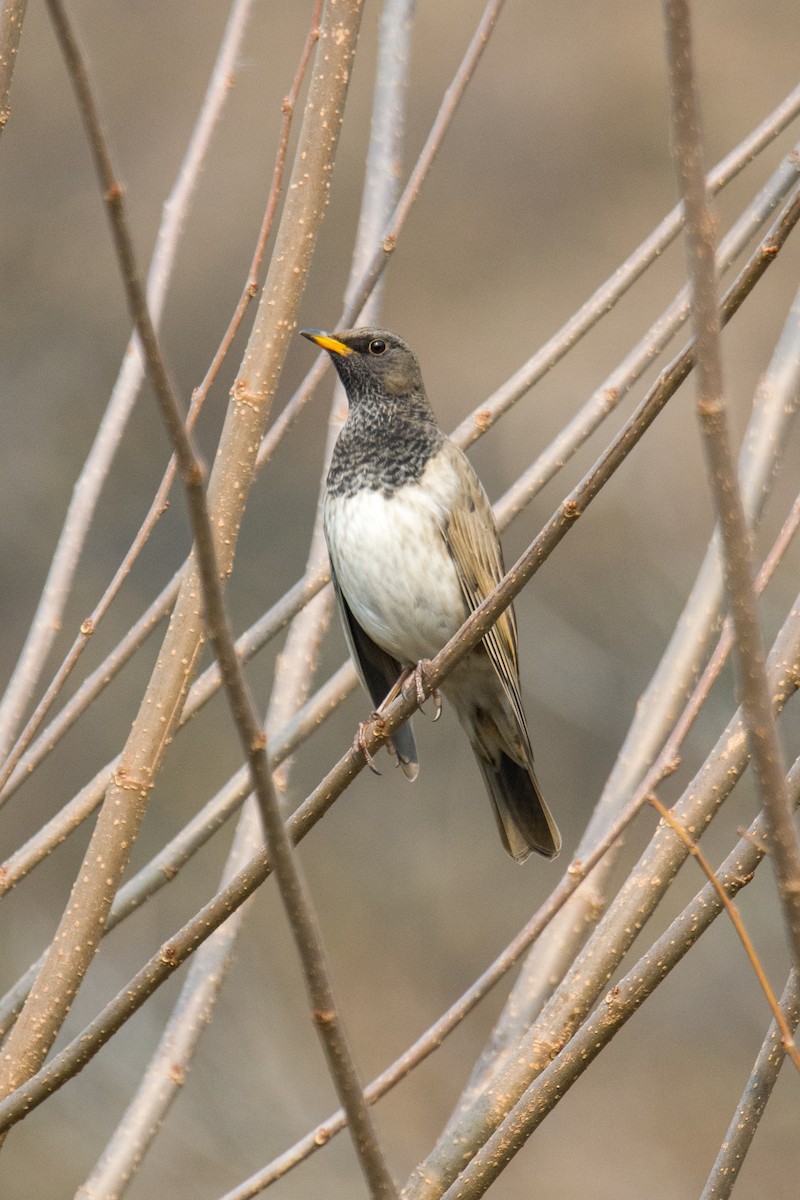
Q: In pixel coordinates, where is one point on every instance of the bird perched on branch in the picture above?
(414, 550)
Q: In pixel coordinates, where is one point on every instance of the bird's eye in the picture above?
(377, 346)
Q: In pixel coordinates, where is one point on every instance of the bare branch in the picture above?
(734, 534)
(271, 623)
(607, 295)
(619, 383)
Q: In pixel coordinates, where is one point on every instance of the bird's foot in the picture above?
(417, 676)
(375, 722)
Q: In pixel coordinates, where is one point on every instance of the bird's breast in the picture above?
(393, 566)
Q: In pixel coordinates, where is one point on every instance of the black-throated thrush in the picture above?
(414, 549)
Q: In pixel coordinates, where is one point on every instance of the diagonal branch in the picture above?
(750, 1109)
(734, 535)
(737, 922)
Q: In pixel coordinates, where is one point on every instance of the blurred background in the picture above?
(556, 166)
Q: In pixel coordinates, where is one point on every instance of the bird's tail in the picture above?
(522, 815)
(523, 818)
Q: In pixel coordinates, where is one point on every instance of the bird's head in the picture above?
(371, 361)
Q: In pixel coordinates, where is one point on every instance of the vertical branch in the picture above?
(734, 534)
(385, 152)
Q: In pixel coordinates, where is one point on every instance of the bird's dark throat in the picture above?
(383, 446)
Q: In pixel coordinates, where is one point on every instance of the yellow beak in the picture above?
(326, 341)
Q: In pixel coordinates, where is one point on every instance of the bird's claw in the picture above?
(417, 674)
(375, 723)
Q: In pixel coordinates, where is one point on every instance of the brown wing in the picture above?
(474, 546)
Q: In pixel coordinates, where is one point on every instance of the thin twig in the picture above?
(711, 411)
(260, 633)
(738, 924)
(750, 1109)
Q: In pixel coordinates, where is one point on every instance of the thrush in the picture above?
(414, 549)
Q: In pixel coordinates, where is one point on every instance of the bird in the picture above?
(414, 549)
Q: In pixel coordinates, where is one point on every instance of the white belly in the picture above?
(394, 569)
